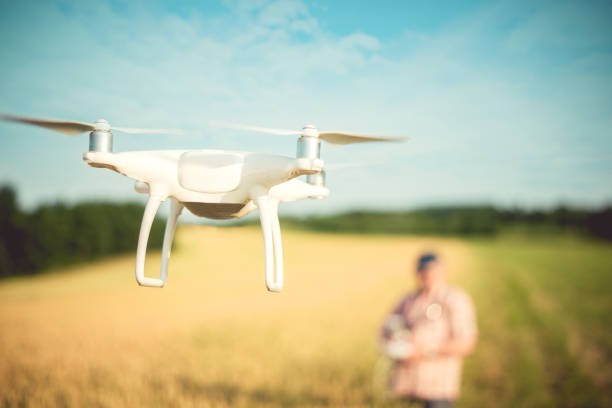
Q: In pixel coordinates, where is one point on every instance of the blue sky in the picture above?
(507, 103)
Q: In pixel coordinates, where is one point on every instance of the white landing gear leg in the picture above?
(268, 216)
(143, 239)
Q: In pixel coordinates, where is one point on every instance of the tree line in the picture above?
(59, 234)
(465, 221)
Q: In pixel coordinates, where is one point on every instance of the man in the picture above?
(427, 335)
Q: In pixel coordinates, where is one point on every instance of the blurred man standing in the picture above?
(427, 335)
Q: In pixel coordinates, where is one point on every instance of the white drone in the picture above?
(214, 184)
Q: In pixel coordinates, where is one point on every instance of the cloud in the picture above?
(485, 121)
(280, 13)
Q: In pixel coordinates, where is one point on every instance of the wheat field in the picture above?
(88, 336)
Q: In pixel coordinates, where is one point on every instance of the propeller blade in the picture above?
(344, 138)
(141, 131)
(271, 131)
(67, 127)
(73, 127)
(335, 138)
(340, 166)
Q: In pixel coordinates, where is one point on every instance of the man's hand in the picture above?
(418, 351)
(421, 350)
(398, 349)
(406, 352)
(452, 347)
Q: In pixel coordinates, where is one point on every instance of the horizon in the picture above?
(189, 218)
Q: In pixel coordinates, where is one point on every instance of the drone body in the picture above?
(213, 184)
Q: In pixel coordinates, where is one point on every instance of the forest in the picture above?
(59, 234)
(466, 221)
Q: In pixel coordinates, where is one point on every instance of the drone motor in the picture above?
(101, 138)
(309, 147)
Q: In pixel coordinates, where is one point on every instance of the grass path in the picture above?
(552, 299)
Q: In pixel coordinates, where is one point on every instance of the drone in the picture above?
(213, 184)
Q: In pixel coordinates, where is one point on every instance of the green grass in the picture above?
(88, 336)
(545, 305)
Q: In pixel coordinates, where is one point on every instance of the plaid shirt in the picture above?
(433, 319)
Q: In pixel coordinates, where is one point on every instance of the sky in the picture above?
(505, 103)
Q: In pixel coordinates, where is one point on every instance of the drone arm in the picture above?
(268, 216)
(145, 229)
(296, 189)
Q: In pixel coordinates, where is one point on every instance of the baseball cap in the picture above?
(425, 260)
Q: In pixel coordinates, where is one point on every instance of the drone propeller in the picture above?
(350, 165)
(141, 131)
(335, 138)
(271, 131)
(74, 128)
(343, 138)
